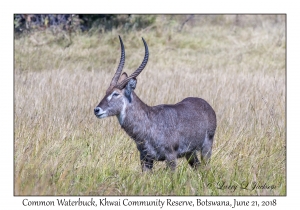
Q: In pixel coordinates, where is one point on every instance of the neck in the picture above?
(135, 116)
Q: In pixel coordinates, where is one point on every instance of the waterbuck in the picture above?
(163, 132)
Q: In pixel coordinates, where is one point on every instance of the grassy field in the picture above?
(237, 65)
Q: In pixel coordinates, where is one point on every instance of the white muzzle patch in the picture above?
(101, 113)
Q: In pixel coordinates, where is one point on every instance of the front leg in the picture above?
(171, 164)
(171, 161)
(146, 162)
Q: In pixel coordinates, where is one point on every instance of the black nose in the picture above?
(96, 110)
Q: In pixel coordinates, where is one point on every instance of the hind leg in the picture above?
(192, 160)
(206, 149)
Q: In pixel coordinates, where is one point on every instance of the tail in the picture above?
(206, 149)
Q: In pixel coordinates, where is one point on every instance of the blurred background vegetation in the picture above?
(82, 22)
(24, 23)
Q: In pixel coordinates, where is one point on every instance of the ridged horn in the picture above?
(123, 83)
(120, 67)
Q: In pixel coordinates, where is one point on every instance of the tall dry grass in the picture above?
(61, 148)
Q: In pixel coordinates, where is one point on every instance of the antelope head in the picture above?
(119, 93)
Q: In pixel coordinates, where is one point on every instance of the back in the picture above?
(190, 113)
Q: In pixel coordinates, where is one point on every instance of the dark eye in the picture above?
(115, 94)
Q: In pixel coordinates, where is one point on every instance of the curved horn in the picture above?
(122, 84)
(120, 67)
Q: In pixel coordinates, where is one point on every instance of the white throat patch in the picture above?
(122, 115)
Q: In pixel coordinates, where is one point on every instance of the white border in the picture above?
(7, 199)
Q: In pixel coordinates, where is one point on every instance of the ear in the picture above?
(129, 88)
(122, 77)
